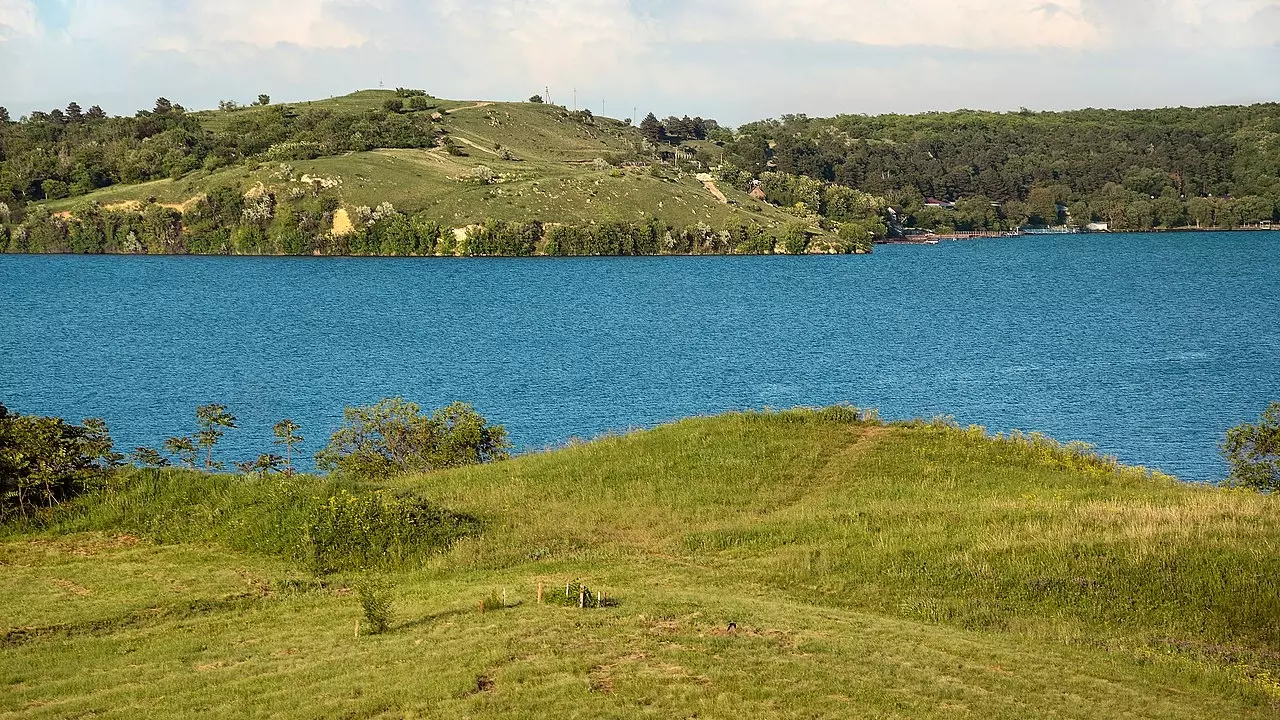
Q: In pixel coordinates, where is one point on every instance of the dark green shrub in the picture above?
(376, 598)
(45, 461)
(394, 437)
(1254, 452)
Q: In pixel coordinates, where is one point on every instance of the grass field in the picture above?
(550, 172)
(870, 571)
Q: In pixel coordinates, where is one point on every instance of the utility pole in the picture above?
(575, 99)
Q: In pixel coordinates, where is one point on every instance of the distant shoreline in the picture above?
(924, 239)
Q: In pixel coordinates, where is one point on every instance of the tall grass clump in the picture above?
(328, 525)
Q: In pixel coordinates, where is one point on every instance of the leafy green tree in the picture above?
(45, 461)
(163, 107)
(264, 100)
(855, 237)
(395, 105)
(1253, 452)
(183, 448)
(148, 457)
(264, 465)
(286, 432)
(795, 237)
(4, 114)
(394, 437)
(536, 99)
(652, 128)
(212, 421)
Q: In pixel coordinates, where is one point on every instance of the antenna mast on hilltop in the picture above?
(575, 99)
(547, 95)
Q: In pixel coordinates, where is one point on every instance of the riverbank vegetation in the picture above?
(786, 564)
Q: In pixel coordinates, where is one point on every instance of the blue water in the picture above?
(1149, 346)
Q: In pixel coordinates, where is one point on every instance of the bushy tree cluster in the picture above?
(69, 153)
(45, 460)
(395, 437)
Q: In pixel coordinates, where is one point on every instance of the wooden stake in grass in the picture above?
(539, 593)
(357, 628)
(582, 596)
(482, 607)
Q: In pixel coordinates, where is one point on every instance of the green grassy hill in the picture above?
(544, 161)
(869, 571)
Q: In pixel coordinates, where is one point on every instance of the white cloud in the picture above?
(194, 25)
(733, 59)
(963, 24)
(18, 18)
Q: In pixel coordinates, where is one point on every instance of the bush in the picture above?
(394, 437)
(44, 461)
(375, 600)
(1254, 452)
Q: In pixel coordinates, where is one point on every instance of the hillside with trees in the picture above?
(1139, 170)
(404, 173)
(378, 173)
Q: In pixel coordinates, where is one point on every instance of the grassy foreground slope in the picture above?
(544, 161)
(871, 571)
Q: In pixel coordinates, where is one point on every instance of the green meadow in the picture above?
(796, 565)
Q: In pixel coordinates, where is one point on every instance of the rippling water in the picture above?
(1149, 346)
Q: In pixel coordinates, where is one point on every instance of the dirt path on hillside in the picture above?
(468, 107)
(475, 145)
(709, 183)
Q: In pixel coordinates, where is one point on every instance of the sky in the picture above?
(732, 60)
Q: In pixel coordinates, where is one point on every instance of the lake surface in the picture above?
(1149, 346)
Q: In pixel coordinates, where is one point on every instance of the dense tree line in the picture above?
(67, 153)
(226, 221)
(1212, 167)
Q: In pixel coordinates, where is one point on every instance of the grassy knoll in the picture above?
(544, 162)
(871, 571)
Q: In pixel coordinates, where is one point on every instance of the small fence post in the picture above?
(539, 593)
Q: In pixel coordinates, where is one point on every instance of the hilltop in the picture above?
(797, 564)
(334, 167)
(547, 163)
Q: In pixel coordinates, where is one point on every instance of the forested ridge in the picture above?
(1139, 169)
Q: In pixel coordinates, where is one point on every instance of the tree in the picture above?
(147, 457)
(183, 448)
(536, 99)
(163, 107)
(210, 423)
(394, 437)
(265, 464)
(419, 102)
(96, 113)
(1253, 452)
(395, 105)
(287, 435)
(4, 114)
(74, 113)
(264, 100)
(652, 129)
(45, 460)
